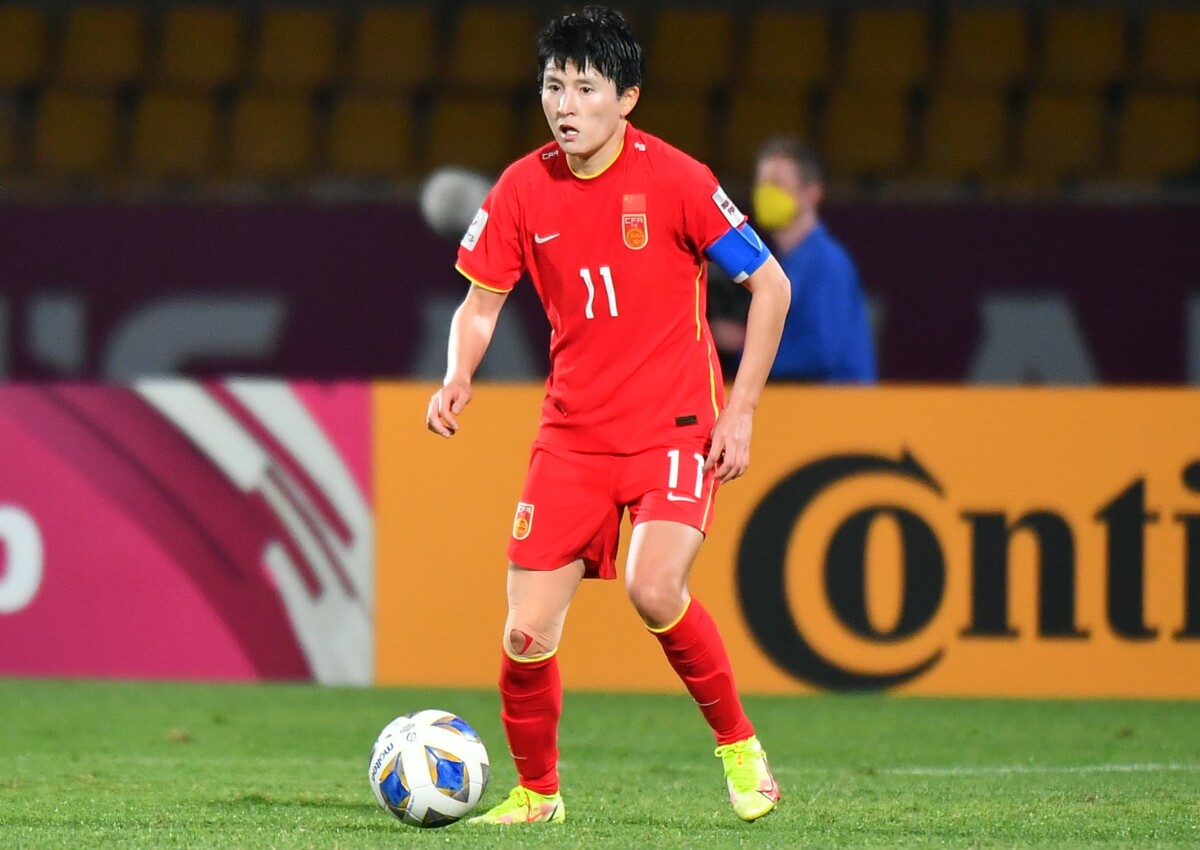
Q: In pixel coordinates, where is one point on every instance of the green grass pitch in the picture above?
(155, 765)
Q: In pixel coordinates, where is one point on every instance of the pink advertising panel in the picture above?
(178, 529)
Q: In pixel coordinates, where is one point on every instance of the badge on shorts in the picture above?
(523, 521)
(633, 221)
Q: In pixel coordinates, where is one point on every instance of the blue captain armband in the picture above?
(739, 252)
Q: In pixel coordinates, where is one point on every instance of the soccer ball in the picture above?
(428, 768)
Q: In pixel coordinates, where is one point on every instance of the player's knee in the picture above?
(528, 643)
(657, 603)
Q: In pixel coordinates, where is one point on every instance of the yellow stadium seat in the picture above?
(753, 118)
(888, 49)
(371, 136)
(296, 51)
(1061, 137)
(1158, 136)
(473, 131)
(272, 137)
(865, 134)
(202, 48)
(493, 49)
(682, 121)
(1170, 47)
(103, 48)
(23, 46)
(690, 50)
(393, 49)
(174, 137)
(75, 134)
(986, 49)
(1084, 48)
(787, 51)
(964, 136)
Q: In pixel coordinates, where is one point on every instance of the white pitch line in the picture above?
(1005, 770)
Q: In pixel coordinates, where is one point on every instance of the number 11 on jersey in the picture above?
(606, 276)
(673, 475)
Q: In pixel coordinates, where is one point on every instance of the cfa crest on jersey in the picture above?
(634, 231)
(523, 521)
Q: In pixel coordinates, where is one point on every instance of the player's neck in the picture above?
(604, 156)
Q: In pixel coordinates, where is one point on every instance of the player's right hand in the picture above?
(444, 407)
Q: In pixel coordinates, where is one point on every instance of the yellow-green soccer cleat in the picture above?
(525, 806)
(753, 790)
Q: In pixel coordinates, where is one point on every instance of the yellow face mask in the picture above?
(774, 208)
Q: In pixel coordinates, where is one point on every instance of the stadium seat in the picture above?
(888, 49)
(474, 131)
(865, 134)
(1084, 48)
(23, 46)
(682, 121)
(964, 136)
(986, 49)
(174, 137)
(272, 137)
(1061, 138)
(202, 48)
(371, 136)
(1170, 48)
(103, 48)
(787, 52)
(493, 49)
(753, 118)
(393, 49)
(75, 134)
(1158, 136)
(690, 51)
(296, 51)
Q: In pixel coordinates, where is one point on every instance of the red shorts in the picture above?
(572, 503)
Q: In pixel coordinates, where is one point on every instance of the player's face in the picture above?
(585, 113)
(783, 172)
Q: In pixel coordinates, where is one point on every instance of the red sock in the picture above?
(530, 705)
(695, 649)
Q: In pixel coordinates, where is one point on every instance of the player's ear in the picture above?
(628, 100)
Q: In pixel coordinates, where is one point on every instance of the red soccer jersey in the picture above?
(618, 262)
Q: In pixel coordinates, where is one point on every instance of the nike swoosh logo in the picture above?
(541, 240)
(671, 497)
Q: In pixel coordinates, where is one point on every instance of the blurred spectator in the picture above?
(827, 336)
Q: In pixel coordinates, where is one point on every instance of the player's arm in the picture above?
(470, 334)
(770, 297)
(742, 255)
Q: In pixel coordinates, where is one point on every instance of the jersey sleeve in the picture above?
(491, 254)
(718, 228)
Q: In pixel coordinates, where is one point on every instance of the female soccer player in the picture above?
(615, 228)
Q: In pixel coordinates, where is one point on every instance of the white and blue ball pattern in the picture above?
(428, 768)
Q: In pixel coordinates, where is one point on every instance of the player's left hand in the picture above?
(730, 452)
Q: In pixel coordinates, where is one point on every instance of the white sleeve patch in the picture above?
(471, 239)
(728, 208)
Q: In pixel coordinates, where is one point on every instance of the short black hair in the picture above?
(597, 38)
(812, 167)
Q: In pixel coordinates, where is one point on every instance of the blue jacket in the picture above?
(827, 335)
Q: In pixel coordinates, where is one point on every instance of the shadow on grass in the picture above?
(322, 802)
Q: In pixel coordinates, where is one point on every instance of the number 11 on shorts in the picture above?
(673, 476)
